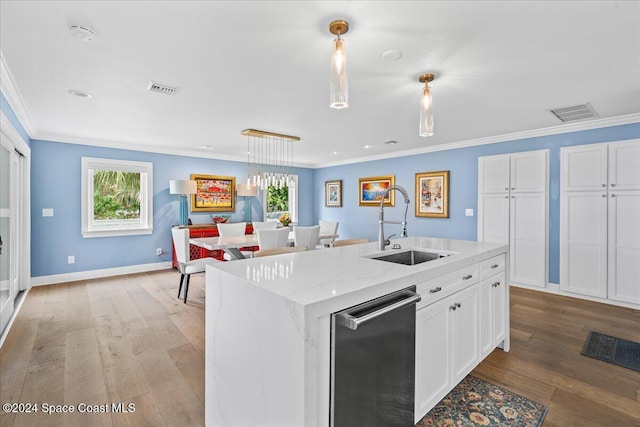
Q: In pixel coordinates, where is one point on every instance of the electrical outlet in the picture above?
(47, 212)
(468, 212)
(158, 251)
(71, 259)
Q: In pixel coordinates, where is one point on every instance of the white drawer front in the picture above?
(492, 266)
(440, 287)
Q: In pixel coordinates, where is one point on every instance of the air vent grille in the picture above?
(575, 112)
(164, 89)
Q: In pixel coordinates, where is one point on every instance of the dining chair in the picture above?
(328, 227)
(277, 238)
(264, 225)
(278, 251)
(186, 265)
(306, 236)
(346, 242)
(234, 229)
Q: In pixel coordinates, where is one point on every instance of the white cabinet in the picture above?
(600, 220)
(513, 209)
(460, 319)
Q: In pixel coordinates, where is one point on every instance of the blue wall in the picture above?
(55, 183)
(462, 163)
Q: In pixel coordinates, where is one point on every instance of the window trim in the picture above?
(89, 164)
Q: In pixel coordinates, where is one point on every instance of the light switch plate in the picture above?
(47, 212)
(468, 212)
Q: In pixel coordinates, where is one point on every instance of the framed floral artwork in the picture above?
(333, 194)
(214, 193)
(432, 194)
(370, 190)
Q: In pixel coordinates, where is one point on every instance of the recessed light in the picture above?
(80, 93)
(335, 153)
(366, 147)
(391, 55)
(207, 147)
(82, 32)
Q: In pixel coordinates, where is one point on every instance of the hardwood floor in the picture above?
(128, 339)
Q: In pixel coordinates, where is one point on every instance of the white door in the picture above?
(584, 168)
(433, 360)
(493, 174)
(528, 241)
(583, 242)
(624, 165)
(8, 268)
(465, 347)
(624, 246)
(529, 171)
(493, 218)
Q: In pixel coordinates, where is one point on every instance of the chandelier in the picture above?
(269, 159)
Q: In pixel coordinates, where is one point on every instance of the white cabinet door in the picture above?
(493, 218)
(584, 168)
(528, 238)
(583, 243)
(529, 171)
(499, 308)
(624, 246)
(493, 174)
(492, 313)
(433, 356)
(463, 310)
(624, 165)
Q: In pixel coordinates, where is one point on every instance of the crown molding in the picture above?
(553, 130)
(7, 128)
(12, 94)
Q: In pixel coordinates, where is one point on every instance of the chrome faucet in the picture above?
(382, 242)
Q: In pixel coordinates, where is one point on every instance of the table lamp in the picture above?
(183, 187)
(247, 191)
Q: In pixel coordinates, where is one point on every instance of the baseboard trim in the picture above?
(96, 274)
(554, 288)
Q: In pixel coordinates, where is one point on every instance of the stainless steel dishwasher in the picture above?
(373, 362)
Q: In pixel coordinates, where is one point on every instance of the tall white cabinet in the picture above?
(600, 220)
(513, 209)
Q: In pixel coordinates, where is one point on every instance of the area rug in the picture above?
(475, 402)
(613, 350)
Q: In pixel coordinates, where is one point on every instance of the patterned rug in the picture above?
(475, 402)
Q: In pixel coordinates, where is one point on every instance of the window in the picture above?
(280, 201)
(116, 197)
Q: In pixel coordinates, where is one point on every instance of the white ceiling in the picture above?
(500, 66)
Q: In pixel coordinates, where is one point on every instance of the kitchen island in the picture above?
(268, 324)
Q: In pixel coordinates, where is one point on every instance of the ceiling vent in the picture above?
(575, 112)
(164, 89)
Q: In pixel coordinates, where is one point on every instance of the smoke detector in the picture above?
(82, 32)
(574, 112)
(164, 89)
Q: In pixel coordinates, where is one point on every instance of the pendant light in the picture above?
(272, 159)
(338, 87)
(426, 106)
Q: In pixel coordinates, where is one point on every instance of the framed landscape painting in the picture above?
(370, 190)
(214, 193)
(333, 194)
(432, 194)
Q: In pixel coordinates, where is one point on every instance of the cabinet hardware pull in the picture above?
(604, 195)
(513, 188)
(494, 266)
(506, 197)
(452, 307)
(613, 185)
(434, 290)
(613, 195)
(604, 185)
(496, 284)
(506, 188)
(467, 277)
(458, 305)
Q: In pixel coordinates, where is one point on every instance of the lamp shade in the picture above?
(247, 190)
(182, 187)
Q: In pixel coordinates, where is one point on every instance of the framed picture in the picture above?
(432, 194)
(370, 190)
(333, 194)
(214, 193)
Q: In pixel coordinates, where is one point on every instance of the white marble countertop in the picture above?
(322, 276)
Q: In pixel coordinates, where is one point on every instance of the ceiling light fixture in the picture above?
(272, 159)
(426, 106)
(338, 87)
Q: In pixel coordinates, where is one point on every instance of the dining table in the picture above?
(232, 244)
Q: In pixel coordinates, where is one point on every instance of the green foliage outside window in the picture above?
(116, 195)
(278, 199)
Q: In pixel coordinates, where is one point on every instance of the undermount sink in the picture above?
(410, 257)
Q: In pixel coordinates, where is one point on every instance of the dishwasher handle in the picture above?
(348, 320)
